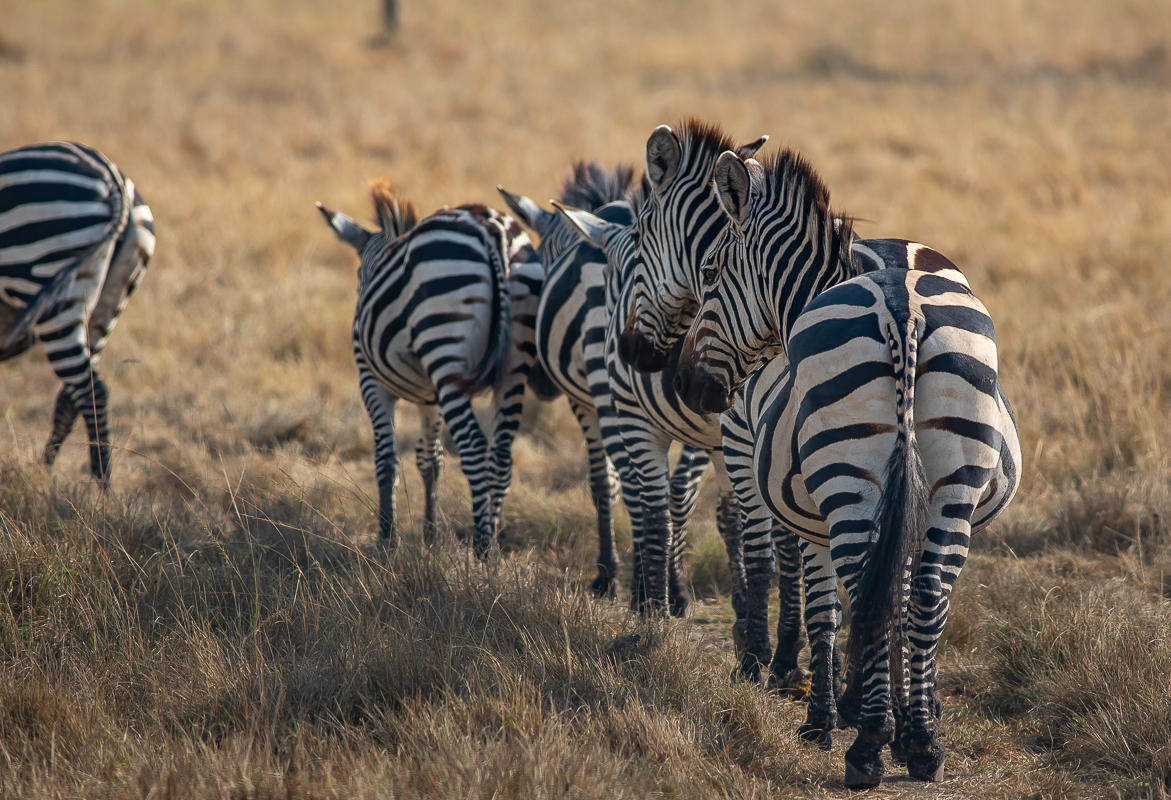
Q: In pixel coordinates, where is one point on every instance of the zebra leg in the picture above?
(64, 415)
(510, 396)
(380, 407)
(615, 447)
(871, 675)
(473, 460)
(602, 487)
(791, 636)
(91, 398)
(821, 620)
(429, 458)
(945, 552)
(684, 493)
(754, 550)
(648, 458)
(64, 337)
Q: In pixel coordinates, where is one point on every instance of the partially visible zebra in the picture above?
(885, 439)
(570, 339)
(445, 311)
(75, 240)
(679, 208)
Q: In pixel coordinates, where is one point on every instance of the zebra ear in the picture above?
(733, 186)
(663, 154)
(346, 229)
(589, 227)
(531, 215)
(749, 150)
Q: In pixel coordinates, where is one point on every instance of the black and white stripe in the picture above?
(570, 339)
(680, 217)
(75, 240)
(445, 310)
(882, 434)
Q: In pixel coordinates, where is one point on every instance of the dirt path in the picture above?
(985, 759)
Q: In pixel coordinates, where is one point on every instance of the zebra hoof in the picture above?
(604, 586)
(680, 602)
(857, 780)
(812, 734)
(740, 637)
(927, 767)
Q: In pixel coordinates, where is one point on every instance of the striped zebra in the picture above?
(679, 205)
(75, 240)
(445, 311)
(882, 434)
(570, 338)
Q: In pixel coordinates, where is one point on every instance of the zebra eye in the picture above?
(636, 238)
(709, 274)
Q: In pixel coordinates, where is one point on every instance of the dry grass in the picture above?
(223, 627)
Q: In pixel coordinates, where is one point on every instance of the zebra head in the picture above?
(589, 187)
(678, 220)
(781, 247)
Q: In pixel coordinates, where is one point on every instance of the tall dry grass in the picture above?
(223, 626)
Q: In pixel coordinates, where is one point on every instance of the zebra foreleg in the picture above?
(429, 459)
(821, 621)
(602, 489)
(649, 459)
(786, 674)
(380, 407)
(685, 479)
(64, 415)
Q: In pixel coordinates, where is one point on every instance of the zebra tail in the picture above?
(901, 520)
(21, 332)
(490, 369)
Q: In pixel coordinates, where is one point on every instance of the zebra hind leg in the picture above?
(429, 459)
(64, 415)
(90, 398)
(474, 462)
(380, 407)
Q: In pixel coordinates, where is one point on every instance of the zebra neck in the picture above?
(794, 288)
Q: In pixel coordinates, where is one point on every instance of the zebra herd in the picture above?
(844, 390)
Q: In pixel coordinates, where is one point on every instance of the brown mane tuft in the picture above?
(395, 216)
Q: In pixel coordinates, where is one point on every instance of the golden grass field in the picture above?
(224, 626)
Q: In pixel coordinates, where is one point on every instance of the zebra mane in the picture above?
(395, 216)
(788, 173)
(591, 186)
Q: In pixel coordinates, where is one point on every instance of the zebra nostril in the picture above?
(681, 381)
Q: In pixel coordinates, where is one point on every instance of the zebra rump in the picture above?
(84, 161)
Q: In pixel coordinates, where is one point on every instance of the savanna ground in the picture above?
(224, 624)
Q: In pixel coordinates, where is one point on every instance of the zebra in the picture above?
(570, 334)
(445, 311)
(882, 434)
(679, 203)
(75, 241)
